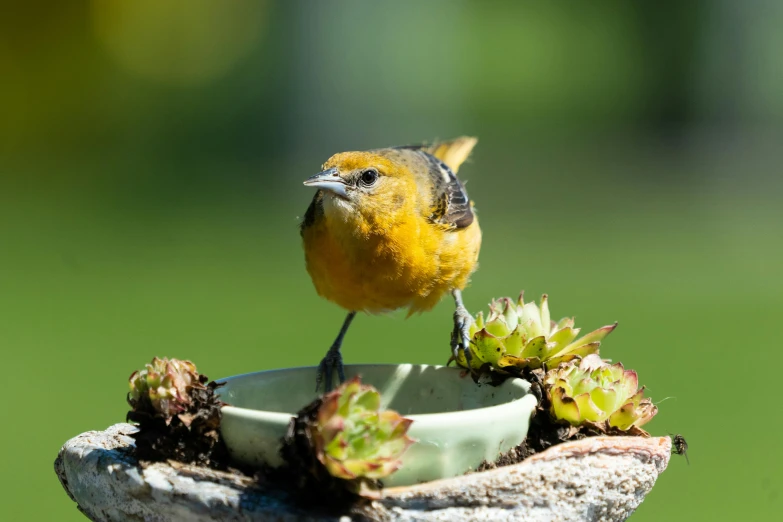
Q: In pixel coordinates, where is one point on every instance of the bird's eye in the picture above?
(369, 177)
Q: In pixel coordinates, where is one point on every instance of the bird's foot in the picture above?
(331, 362)
(460, 335)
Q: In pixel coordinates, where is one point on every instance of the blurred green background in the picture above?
(151, 159)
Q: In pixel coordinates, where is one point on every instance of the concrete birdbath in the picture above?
(457, 426)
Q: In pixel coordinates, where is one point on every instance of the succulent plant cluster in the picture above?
(599, 393)
(580, 388)
(519, 335)
(344, 441)
(178, 413)
(164, 387)
(353, 438)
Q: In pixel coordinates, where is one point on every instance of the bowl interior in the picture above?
(456, 424)
(408, 389)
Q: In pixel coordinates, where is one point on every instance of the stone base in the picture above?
(598, 478)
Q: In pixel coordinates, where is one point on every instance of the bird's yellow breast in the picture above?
(385, 263)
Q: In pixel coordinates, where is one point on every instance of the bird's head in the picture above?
(369, 184)
(384, 187)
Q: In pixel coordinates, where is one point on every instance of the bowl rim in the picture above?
(419, 419)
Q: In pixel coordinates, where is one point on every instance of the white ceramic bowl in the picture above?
(456, 423)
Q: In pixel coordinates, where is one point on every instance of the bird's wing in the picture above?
(451, 205)
(314, 212)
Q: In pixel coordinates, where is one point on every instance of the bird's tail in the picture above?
(453, 152)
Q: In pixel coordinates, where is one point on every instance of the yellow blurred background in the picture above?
(151, 159)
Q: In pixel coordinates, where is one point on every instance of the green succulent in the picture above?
(164, 385)
(594, 391)
(518, 335)
(353, 438)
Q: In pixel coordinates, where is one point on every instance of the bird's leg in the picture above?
(333, 360)
(460, 336)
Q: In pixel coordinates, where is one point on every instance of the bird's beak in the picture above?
(328, 180)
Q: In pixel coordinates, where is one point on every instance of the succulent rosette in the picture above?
(178, 414)
(353, 438)
(518, 335)
(596, 392)
(166, 384)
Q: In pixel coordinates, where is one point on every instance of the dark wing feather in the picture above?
(451, 205)
(314, 211)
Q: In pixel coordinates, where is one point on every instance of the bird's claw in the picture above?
(460, 335)
(325, 375)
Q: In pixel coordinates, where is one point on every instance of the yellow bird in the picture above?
(391, 228)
